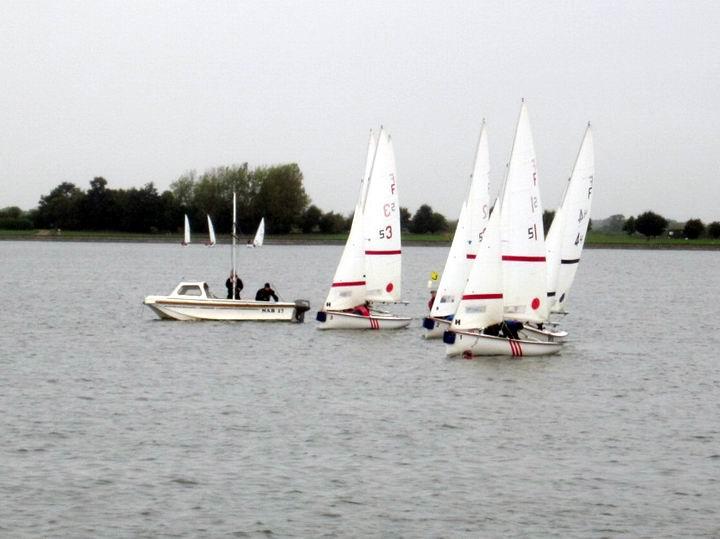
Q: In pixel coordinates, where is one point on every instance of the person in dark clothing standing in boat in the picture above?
(265, 293)
(229, 285)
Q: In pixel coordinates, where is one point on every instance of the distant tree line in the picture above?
(652, 225)
(275, 193)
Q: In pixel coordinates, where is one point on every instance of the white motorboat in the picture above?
(192, 300)
(369, 271)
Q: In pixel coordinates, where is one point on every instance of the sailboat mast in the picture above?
(234, 233)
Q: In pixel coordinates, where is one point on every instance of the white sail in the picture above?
(482, 299)
(348, 286)
(478, 200)
(211, 232)
(260, 234)
(381, 226)
(470, 228)
(186, 235)
(454, 275)
(576, 208)
(553, 246)
(521, 232)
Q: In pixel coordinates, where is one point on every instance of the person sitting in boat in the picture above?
(510, 329)
(432, 299)
(229, 285)
(265, 293)
(362, 310)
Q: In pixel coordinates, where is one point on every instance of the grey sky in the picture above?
(143, 91)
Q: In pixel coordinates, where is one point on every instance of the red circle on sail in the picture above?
(535, 304)
(389, 287)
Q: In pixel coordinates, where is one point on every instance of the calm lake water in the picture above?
(117, 424)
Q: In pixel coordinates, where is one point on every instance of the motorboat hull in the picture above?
(343, 320)
(471, 343)
(226, 310)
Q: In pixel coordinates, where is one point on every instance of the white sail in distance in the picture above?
(211, 232)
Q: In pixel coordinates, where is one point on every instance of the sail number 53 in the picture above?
(385, 233)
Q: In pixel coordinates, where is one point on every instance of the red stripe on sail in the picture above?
(383, 252)
(482, 296)
(350, 283)
(470, 257)
(511, 258)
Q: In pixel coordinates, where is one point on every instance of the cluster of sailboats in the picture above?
(503, 281)
(257, 241)
(504, 286)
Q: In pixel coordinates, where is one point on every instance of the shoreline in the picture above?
(683, 245)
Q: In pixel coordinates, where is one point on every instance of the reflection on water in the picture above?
(117, 423)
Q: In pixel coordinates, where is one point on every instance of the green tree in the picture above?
(693, 229)
(282, 197)
(332, 223)
(650, 224)
(61, 208)
(405, 218)
(629, 226)
(310, 219)
(13, 218)
(427, 221)
(99, 207)
(713, 230)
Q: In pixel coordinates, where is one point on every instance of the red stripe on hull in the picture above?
(511, 258)
(350, 283)
(383, 252)
(483, 296)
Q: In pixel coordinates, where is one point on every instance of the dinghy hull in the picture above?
(343, 320)
(435, 327)
(545, 335)
(471, 344)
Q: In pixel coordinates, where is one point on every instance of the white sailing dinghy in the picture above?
(211, 233)
(369, 271)
(259, 235)
(193, 300)
(470, 228)
(186, 232)
(523, 292)
(566, 236)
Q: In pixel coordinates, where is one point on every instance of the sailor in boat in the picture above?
(431, 302)
(229, 285)
(362, 309)
(265, 293)
(507, 328)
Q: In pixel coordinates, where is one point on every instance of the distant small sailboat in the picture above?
(186, 235)
(259, 235)
(211, 232)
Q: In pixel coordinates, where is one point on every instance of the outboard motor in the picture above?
(301, 307)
